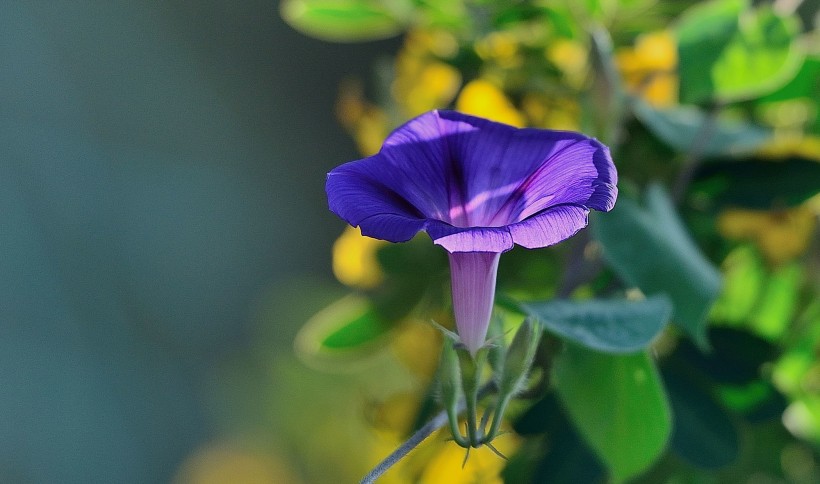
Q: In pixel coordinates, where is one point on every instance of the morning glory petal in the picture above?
(357, 195)
(474, 239)
(507, 174)
(472, 184)
(549, 227)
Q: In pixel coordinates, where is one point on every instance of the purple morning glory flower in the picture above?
(477, 187)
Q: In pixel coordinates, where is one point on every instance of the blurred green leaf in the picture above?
(612, 326)
(347, 20)
(758, 401)
(345, 331)
(563, 457)
(650, 248)
(681, 126)
(778, 301)
(618, 405)
(704, 434)
(757, 183)
(736, 356)
(806, 83)
(446, 14)
(728, 52)
(743, 275)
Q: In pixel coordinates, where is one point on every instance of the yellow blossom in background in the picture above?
(551, 113)
(433, 86)
(423, 82)
(354, 259)
(366, 122)
(418, 345)
(394, 416)
(781, 146)
(650, 68)
(483, 466)
(485, 99)
(500, 48)
(571, 57)
(228, 463)
(781, 235)
(438, 460)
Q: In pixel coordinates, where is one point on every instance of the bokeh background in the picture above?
(178, 305)
(161, 186)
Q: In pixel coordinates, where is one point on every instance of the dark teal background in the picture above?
(161, 167)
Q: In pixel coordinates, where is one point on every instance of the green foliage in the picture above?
(630, 430)
(704, 433)
(682, 129)
(731, 183)
(730, 52)
(611, 326)
(346, 20)
(659, 256)
(345, 331)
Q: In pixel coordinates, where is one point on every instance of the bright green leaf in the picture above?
(345, 331)
(681, 127)
(650, 248)
(778, 301)
(346, 20)
(618, 404)
(728, 52)
(743, 274)
(613, 326)
(805, 84)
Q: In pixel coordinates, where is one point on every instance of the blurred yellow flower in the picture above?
(423, 82)
(483, 98)
(227, 463)
(501, 48)
(432, 86)
(354, 259)
(571, 57)
(418, 345)
(785, 145)
(781, 235)
(551, 113)
(483, 466)
(440, 43)
(365, 121)
(650, 68)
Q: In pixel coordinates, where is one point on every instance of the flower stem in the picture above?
(437, 422)
(498, 416)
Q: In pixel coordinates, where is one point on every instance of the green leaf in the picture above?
(566, 459)
(805, 84)
(757, 183)
(778, 301)
(612, 326)
(737, 357)
(650, 248)
(744, 274)
(704, 433)
(618, 404)
(346, 20)
(345, 331)
(681, 126)
(728, 52)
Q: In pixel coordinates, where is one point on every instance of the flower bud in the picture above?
(520, 356)
(449, 375)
